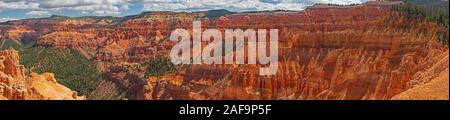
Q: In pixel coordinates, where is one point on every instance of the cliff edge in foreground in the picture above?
(15, 85)
(432, 84)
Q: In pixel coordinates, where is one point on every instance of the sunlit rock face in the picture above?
(325, 52)
(15, 85)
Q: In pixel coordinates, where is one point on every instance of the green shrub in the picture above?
(159, 66)
(71, 69)
(431, 10)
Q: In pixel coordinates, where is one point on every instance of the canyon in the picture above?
(326, 52)
(15, 85)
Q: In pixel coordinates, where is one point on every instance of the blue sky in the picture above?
(19, 9)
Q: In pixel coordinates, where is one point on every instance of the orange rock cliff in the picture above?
(15, 85)
(358, 52)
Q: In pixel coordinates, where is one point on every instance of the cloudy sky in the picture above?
(19, 9)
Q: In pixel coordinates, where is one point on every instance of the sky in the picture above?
(20, 9)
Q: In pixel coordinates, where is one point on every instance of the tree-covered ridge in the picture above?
(436, 4)
(160, 66)
(71, 69)
(430, 10)
(417, 10)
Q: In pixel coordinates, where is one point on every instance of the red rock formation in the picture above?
(431, 83)
(330, 53)
(73, 40)
(326, 52)
(16, 32)
(14, 85)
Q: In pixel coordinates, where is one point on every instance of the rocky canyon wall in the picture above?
(326, 52)
(15, 85)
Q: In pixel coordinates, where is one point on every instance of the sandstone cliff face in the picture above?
(14, 85)
(16, 33)
(430, 83)
(338, 53)
(73, 40)
(326, 52)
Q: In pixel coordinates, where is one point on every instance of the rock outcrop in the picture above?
(326, 52)
(15, 85)
(429, 84)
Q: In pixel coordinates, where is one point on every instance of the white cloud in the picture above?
(46, 7)
(7, 19)
(38, 13)
(125, 7)
(98, 7)
(78, 3)
(18, 4)
(235, 5)
(115, 7)
(342, 2)
(106, 12)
